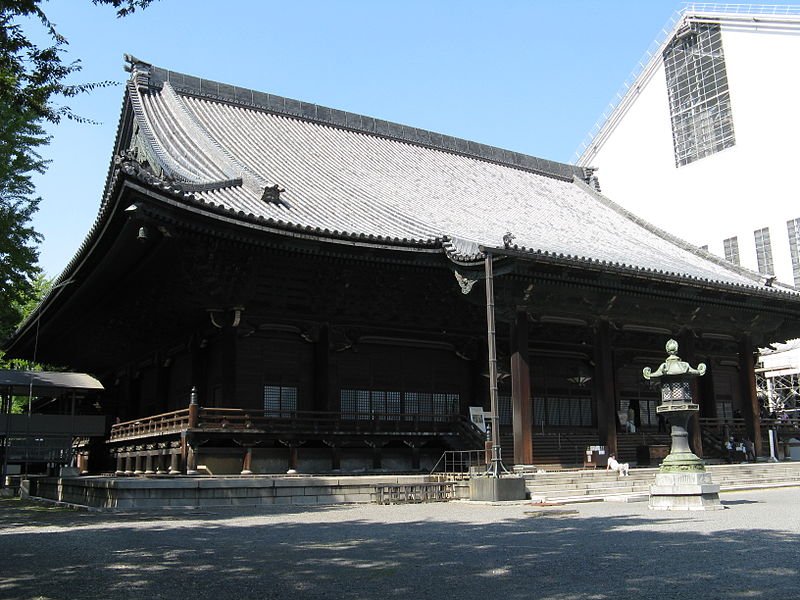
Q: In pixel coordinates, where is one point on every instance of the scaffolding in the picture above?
(765, 15)
(778, 382)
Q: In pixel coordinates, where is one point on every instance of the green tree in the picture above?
(33, 89)
(41, 286)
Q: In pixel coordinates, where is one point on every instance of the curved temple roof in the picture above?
(352, 174)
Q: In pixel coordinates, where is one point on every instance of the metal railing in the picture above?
(456, 463)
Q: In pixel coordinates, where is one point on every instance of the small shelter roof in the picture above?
(43, 383)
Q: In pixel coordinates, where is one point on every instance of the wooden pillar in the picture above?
(292, 459)
(377, 456)
(336, 458)
(161, 459)
(191, 460)
(194, 410)
(120, 464)
(705, 384)
(247, 461)
(687, 353)
(321, 371)
(521, 391)
(747, 383)
(198, 371)
(175, 462)
(148, 463)
(129, 463)
(605, 387)
(415, 458)
(229, 399)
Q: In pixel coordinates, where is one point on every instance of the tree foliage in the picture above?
(33, 90)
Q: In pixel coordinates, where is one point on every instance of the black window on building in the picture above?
(764, 251)
(731, 248)
(699, 98)
(793, 227)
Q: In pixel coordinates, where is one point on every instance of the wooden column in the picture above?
(336, 457)
(605, 387)
(747, 383)
(247, 461)
(521, 391)
(321, 370)
(687, 353)
(198, 371)
(292, 458)
(175, 462)
(148, 463)
(708, 409)
(191, 460)
(377, 455)
(229, 399)
(415, 457)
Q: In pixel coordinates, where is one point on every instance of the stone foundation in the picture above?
(684, 491)
(497, 489)
(190, 492)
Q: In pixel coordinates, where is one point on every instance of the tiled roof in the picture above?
(364, 177)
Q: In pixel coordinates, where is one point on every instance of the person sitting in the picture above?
(614, 465)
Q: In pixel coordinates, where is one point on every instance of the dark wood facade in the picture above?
(245, 342)
(329, 355)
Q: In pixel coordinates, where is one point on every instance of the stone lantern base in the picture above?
(682, 482)
(690, 490)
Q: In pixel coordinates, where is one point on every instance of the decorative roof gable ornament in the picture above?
(272, 194)
(508, 239)
(465, 282)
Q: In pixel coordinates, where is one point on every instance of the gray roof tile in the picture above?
(363, 176)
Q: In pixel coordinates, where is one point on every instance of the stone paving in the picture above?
(446, 550)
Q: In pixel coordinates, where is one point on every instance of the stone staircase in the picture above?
(568, 449)
(569, 486)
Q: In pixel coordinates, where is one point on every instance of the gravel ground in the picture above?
(458, 549)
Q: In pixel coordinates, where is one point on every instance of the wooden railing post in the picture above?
(194, 409)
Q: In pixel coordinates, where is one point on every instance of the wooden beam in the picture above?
(747, 379)
(605, 387)
(687, 352)
(521, 391)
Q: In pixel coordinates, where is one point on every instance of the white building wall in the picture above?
(733, 192)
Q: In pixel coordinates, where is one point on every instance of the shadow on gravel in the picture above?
(336, 552)
(738, 502)
(31, 513)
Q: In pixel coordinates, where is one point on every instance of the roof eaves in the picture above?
(632, 270)
(185, 194)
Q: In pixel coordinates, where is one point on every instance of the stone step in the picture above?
(567, 486)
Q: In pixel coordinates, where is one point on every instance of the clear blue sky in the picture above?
(531, 76)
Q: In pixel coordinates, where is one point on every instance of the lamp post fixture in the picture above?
(682, 482)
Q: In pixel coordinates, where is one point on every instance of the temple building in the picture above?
(272, 284)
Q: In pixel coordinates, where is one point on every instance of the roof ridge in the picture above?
(153, 76)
